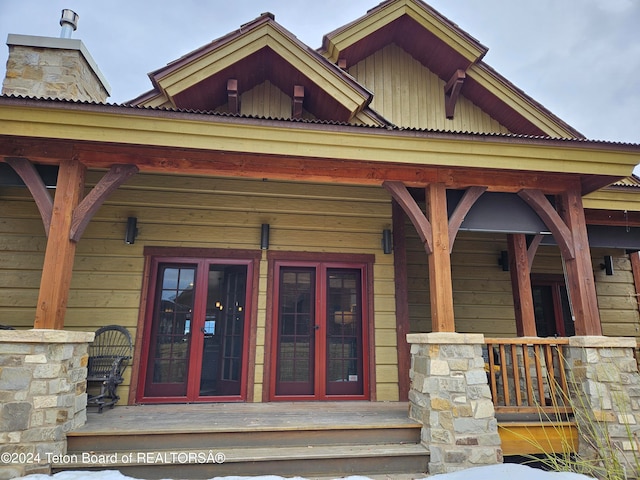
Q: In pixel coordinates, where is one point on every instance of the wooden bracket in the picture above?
(32, 179)
(532, 248)
(342, 63)
(452, 91)
(401, 195)
(298, 98)
(87, 208)
(551, 218)
(467, 201)
(232, 96)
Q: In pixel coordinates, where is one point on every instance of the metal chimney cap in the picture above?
(68, 22)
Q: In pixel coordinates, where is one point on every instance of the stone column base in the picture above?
(450, 396)
(43, 382)
(604, 375)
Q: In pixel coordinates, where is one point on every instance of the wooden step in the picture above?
(307, 461)
(371, 435)
(287, 439)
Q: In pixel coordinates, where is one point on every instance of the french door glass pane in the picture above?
(344, 327)
(296, 333)
(174, 317)
(223, 330)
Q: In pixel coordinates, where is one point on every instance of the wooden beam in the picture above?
(82, 215)
(452, 92)
(519, 267)
(298, 99)
(36, 186)
(233, 99)
(613, 218)
(402, 299)
(159, 159)
(342, 63)
(60, 251)
(541, 205)
(579, 269)
(467, 201)
(440, 287)
(401, 195)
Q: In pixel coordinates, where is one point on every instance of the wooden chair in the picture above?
(109, 355)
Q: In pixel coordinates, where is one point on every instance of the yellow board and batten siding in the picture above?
(188, 211)
(409, 95)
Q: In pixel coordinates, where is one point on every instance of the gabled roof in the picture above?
(444, 48)
(260, 50)
(416, 27)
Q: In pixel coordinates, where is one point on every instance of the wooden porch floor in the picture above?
(228, 417)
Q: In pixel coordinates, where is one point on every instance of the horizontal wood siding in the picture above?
(617, 298)
(22, 246)
(190, 211)
(482, 295)
(410, 95)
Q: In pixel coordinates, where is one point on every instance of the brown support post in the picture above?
(403, 326)
(635, 269)
(580, 280)
(441, 290)
(521, 285)
(60, 251)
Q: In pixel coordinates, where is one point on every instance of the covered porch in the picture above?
(430, 162)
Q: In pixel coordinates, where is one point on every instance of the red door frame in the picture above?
(202, 258)
(363, 263)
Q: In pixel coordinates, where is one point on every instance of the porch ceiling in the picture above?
(187, 142)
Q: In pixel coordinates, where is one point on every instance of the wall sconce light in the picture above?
(387, 243)
(607, 266)
(503, 261)
(264, 236)
(132, 231)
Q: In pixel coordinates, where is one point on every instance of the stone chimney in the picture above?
(47, 67)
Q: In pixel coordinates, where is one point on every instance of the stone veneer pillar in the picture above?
(604, 374)
(42, 396)
(450, 396)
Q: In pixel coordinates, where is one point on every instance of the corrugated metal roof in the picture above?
(50, 102)
(629, 182)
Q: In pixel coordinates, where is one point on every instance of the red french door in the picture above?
(319, 332)
(196, 331)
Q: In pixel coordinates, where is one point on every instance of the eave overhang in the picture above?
(595, 164)
(349, 41)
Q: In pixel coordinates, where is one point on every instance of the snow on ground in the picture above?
(494, 472)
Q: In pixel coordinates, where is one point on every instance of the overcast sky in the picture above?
(579, 58)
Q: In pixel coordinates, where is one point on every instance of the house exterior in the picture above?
(298, 212)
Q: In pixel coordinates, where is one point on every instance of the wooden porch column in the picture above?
(580, 280)
(520, 268)
(60, 251)
(441, 290)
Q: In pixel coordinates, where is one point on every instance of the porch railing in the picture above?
(527, 375)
